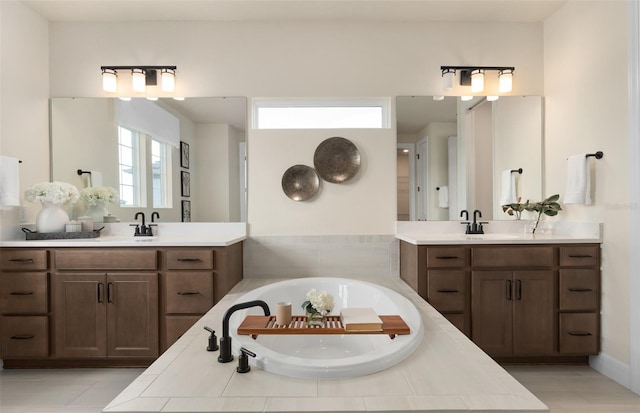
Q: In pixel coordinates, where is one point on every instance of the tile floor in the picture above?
(565, 389)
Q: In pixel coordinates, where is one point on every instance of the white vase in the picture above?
(98, 211)
(51, 218)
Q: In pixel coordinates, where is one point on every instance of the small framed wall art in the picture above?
(186, 211)
(185, 179)
(184, 154)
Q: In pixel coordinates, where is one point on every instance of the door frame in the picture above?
(412, 177)
(422, 172)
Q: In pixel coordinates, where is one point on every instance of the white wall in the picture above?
(438, 165)
(24, 93)
(586, 110)
(365, 204)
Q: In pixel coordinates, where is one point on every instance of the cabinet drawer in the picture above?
(512, 257)
(25, 337)
(579, 333)
(446, 289)
(445, 257)
(579, 256)
(188, 292)
(23, 259)
(24, 293)
(579, 290)
(201, 259)
(106, 259)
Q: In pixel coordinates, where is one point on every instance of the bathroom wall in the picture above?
(24, 93)
(586, 111)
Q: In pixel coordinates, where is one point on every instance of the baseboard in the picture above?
(612, 368)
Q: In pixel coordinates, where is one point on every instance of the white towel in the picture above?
(443, 197)
(9, 182)
(508, 194)
(95, 179)
(578, 190)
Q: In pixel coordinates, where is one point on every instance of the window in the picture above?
(331, 114)
(135, 167)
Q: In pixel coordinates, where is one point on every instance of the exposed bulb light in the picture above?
(505, 80)
(109, 80)
(168, 77)
(138, 80)
(477, 80)
(125, 98)
(438, 98)
(405, 150)
(178, 98)
(492, 98)
(466, 98)
(447, 79)
(153, 98)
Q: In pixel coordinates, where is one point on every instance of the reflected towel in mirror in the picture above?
(508, 183)
(9, 182)
(443, 197)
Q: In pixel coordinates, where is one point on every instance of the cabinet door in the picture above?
(491, 311)
(80, 315)
(533, 305)
(132, 314)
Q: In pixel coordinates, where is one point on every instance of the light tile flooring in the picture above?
(565, 389)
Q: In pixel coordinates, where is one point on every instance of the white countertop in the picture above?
(498, 232)
(447, 372)
(211, 234)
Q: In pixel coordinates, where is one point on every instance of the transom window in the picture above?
(321, 114)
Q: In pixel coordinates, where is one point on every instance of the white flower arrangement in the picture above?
(318, 302)
(52, 192)
(91, 196)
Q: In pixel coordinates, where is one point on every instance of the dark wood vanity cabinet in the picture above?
(107, 306)
(514, 301)
(24, 303)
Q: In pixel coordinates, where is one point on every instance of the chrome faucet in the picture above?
(225, 341)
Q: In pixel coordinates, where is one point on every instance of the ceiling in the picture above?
(296, 10)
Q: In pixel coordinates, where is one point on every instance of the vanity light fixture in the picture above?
(492, 98)
(474, 76)
(141, 77)
(466, 98)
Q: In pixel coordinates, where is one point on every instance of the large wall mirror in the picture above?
(206, 164)
(453, 154)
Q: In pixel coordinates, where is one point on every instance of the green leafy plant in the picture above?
(549, 207)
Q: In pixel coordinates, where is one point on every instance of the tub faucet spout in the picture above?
(225, 341)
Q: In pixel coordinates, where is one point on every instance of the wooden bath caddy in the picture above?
(253, 325)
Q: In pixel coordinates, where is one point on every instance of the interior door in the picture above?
(421, 170)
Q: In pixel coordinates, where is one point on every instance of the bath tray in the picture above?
(253, 325)
(32, 235)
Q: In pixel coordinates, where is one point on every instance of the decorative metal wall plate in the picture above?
(336, 160)
(300, 182)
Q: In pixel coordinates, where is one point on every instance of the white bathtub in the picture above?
(328, 356)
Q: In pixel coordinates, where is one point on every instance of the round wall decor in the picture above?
(336, 160)
(300, 182)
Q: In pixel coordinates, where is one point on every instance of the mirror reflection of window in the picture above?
(134, 167)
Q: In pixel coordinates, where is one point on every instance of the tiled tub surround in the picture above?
(447, 372)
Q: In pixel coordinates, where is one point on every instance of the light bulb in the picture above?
(477, 80)
(138, 80)
(447, 79)
(505, 83)
(109, 80)
(492, 98)
(466, 98)
(168, 77)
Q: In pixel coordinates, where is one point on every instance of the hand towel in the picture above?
(443, 197)
(95, 179)
(508, 184)
(578, 190)
(9, 182)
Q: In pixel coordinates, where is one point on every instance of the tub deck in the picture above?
(254, 325)
(447, 372)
